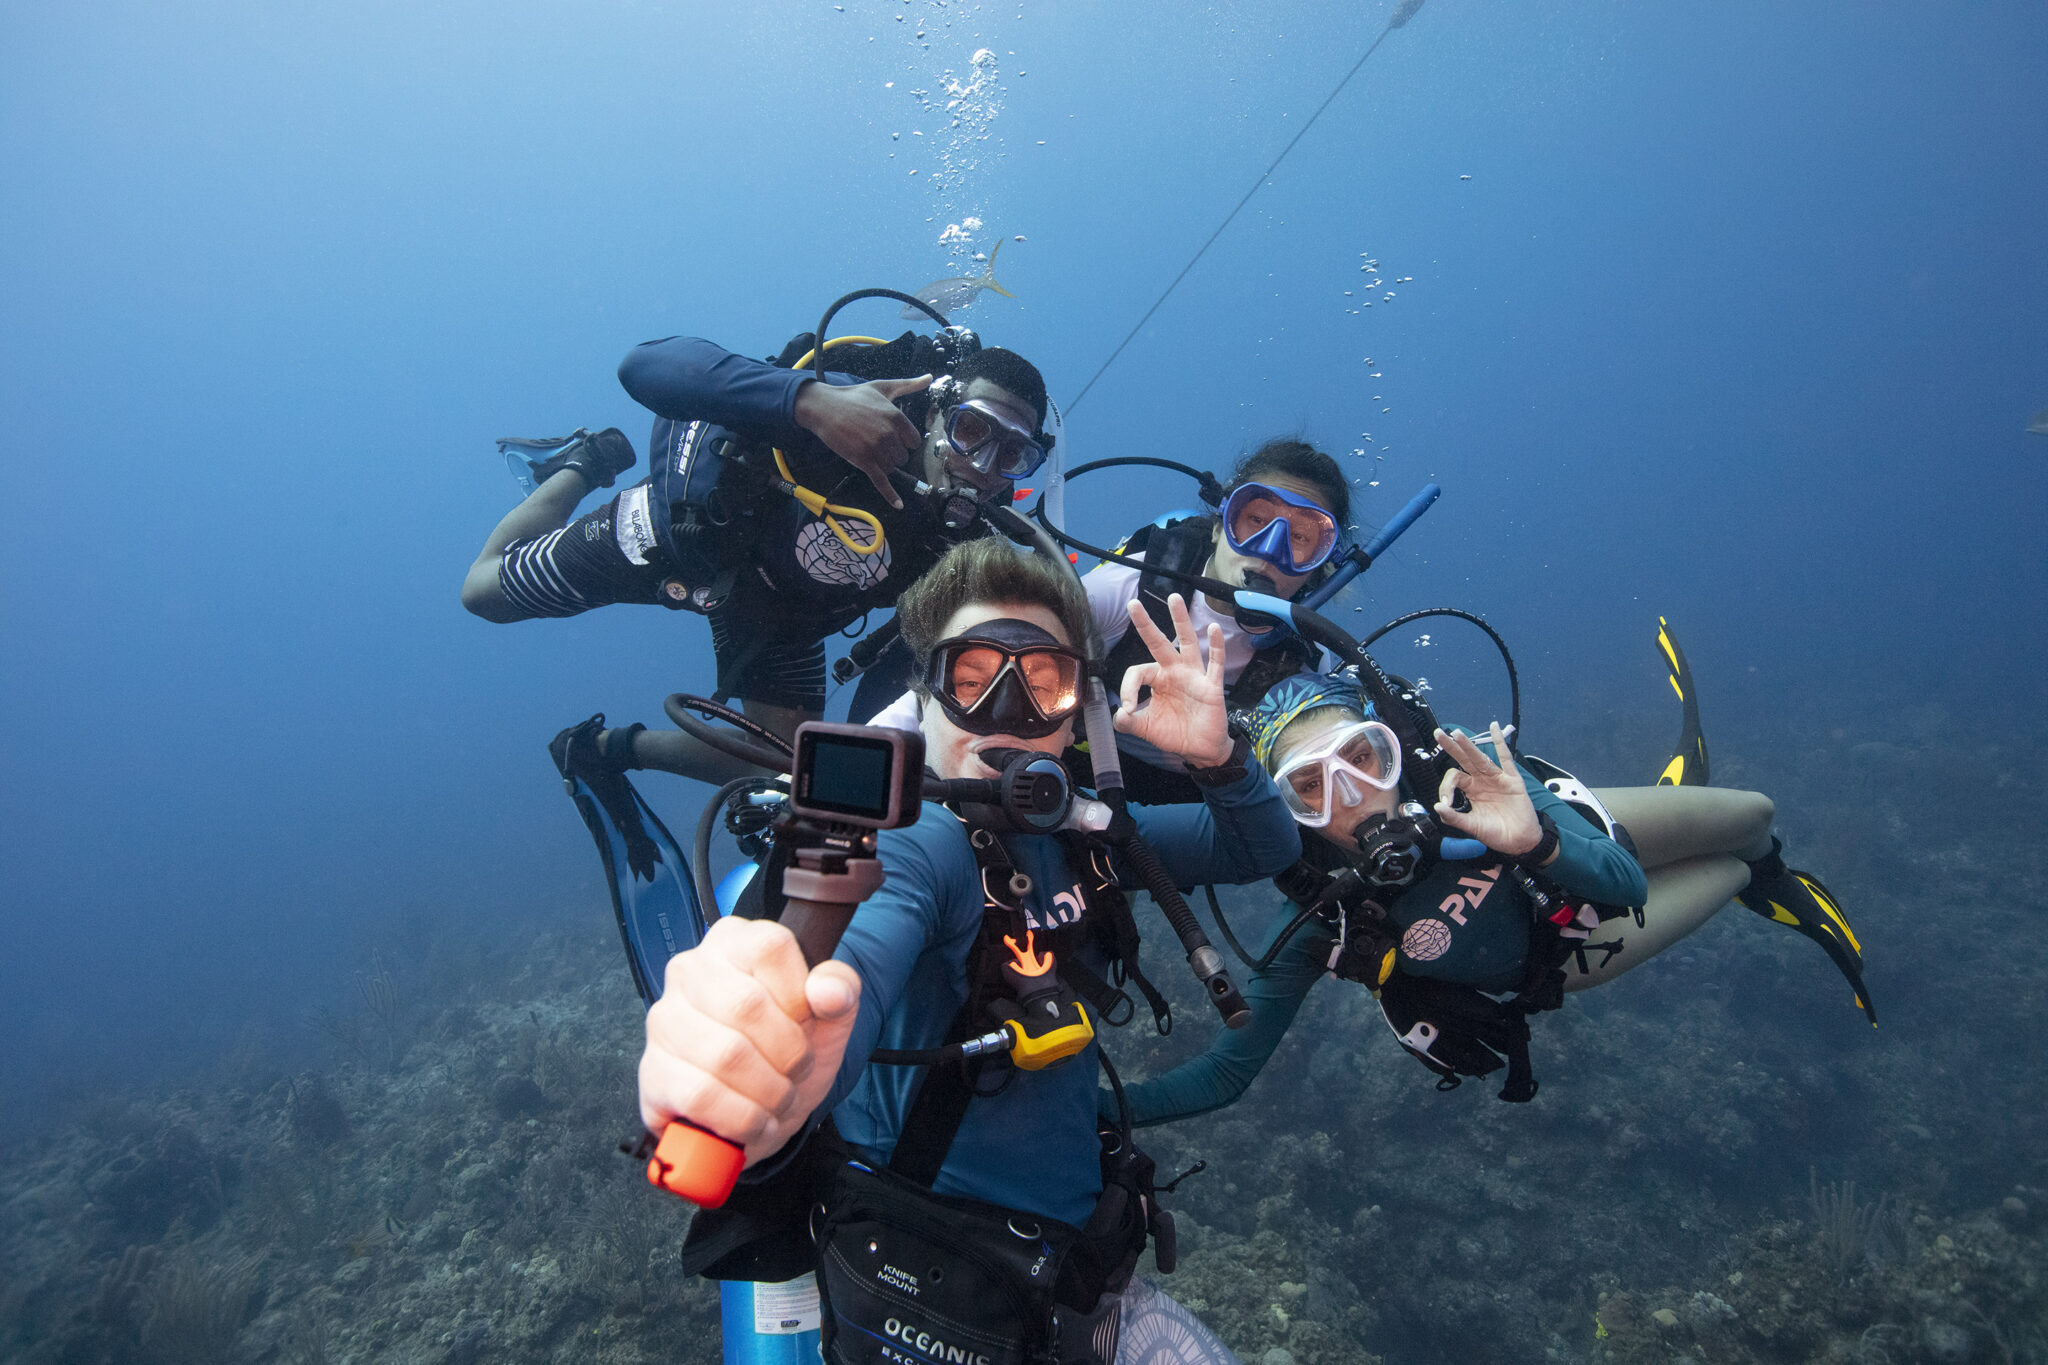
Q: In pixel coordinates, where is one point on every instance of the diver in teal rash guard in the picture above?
(1461, 922)
(1467, 931)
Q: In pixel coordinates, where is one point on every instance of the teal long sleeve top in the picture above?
(1462, 922)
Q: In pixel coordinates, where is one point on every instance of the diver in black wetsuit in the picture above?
(729, 524)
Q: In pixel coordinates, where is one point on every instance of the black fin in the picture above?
(1798, 900)
(1688, 765)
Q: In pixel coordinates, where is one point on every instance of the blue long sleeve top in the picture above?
(1476, 932)
(688, 379)
(1033, 1145)
(691, 379)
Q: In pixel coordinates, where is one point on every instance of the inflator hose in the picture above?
(1109, 786)
(1202, 955)
(679, 705)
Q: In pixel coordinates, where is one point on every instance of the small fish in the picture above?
(958, 292)
(2039, 426)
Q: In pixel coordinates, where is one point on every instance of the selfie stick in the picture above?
(820, 894)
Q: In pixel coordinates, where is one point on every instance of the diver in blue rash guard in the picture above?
(1464, 932)
(746, 1043)
(770, 510)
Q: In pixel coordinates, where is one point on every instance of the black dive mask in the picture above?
(1006, 677)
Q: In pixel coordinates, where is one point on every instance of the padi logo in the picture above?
(897, 1278)
(930, 1347)
(1067, 907)
(1457, 903)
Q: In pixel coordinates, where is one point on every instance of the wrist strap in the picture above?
(1231, 769)
(1545, 846)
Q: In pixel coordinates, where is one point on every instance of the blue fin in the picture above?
(524, 454)
(652, 894)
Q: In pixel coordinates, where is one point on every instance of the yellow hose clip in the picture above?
(830, 512)
(814, 502)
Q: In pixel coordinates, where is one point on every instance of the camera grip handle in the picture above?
(697, 1164)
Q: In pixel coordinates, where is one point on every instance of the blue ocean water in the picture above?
(1733, 314)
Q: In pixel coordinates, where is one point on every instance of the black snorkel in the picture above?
(1109, 789)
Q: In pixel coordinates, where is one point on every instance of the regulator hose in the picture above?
(700, 847)
(818, 344)
(1266, 959)
(1514, 678)
(1202, 955)
(679, 706)
(1109, 787)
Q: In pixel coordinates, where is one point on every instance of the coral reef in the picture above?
(454, 1196)
(1725, 1163)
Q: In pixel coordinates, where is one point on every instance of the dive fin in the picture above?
(988, 276)
(1798, 900)
(652, 894)
(526, 455)
(601, 457)
(1688, 765)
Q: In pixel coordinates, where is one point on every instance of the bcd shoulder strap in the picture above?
(948, 1088)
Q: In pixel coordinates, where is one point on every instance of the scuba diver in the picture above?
(1461, 953)
(773, 509)
(959, 1209)
(1278, 524)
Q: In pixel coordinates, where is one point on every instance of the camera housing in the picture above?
(871, 776)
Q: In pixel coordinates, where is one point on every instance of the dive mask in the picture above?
(1327, 774)
(1006, 677)
(990, 441)
(1281, 528)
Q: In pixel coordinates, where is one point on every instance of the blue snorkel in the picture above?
(1355, 561)
(1360, 558)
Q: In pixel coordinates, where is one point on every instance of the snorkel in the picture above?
(1202, 956)
(1350, 562)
